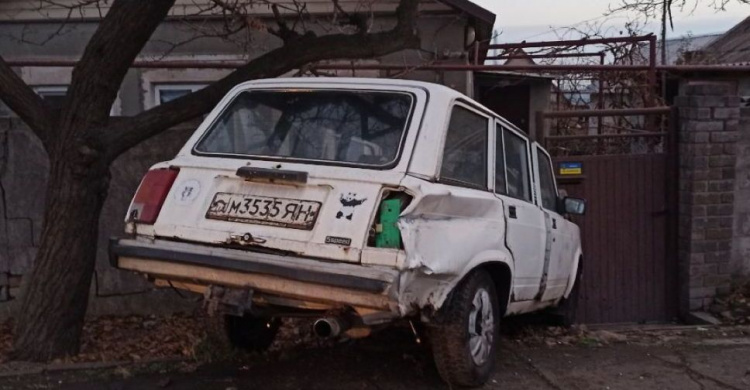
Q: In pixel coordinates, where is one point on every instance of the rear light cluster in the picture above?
(151, 194)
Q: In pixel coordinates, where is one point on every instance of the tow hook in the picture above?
(244, 239)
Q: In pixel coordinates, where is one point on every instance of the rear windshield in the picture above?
(353, 127)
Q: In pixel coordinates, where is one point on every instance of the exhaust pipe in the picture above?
(328, 327)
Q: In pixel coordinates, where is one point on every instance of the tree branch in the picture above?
(25, 103)
(109, 54)
(295, 54)
(283, 32)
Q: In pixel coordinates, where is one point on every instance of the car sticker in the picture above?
(349, 201)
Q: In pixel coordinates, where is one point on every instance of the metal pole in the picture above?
(652, 70)
(608, 112)
(744, 69)
(575, 42)
(600, 104)
(548, 55)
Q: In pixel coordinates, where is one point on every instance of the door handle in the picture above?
(554, 223)
(512, 212)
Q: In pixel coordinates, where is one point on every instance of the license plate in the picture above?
(264, 210)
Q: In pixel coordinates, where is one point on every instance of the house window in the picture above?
(54, 96)
(168, 92)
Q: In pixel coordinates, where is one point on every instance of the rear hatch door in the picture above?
(329, 216)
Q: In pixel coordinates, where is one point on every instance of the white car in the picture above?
(361, 201)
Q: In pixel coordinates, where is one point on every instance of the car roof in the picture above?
(432, 87)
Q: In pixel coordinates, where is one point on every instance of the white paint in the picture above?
(447, 230)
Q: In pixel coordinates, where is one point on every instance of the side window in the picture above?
(546, 181)
(517, 166)
(465, 153)
(500, 186)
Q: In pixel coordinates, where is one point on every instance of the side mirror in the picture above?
(572, 206)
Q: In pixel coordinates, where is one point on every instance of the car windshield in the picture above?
(356, 127)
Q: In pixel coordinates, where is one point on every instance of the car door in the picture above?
(558, 248)
(526, 232)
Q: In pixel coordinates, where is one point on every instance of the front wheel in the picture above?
(464, 343)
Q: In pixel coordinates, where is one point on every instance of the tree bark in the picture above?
(55, 297)
(293, 55)
(82, 142)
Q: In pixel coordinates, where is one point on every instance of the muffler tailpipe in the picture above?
(329, 327)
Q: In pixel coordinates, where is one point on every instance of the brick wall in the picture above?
(709, 126)
(741, 240)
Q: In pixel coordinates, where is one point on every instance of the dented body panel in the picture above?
(220, 225)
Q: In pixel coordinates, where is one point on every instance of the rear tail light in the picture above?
(151, 195)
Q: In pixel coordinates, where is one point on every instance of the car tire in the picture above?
(566, 311)
(464, 342)
(255, 334)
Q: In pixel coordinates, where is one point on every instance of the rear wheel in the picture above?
(464, 343)
(251, 333)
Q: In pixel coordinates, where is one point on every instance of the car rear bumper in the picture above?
(290, 277)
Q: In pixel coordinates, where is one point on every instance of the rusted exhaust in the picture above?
(328, 327)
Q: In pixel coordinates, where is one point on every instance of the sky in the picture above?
(535, 20)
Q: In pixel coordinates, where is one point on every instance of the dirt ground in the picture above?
(681, 358)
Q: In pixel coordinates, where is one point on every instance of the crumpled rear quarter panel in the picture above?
(447, 231)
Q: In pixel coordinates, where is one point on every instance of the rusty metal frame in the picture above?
(395, 67)
(648, 111)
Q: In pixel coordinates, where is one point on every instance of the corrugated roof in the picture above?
(732, 47)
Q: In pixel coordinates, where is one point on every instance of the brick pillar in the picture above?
(708, 132)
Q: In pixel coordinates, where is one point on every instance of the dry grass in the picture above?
(109, 339)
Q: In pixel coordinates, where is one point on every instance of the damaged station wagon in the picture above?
(359, 202)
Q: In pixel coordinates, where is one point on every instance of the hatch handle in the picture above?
(274, 176)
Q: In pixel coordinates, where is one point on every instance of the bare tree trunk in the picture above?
(81, 143)
(50, 320)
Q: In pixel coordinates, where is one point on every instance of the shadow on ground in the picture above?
(392, 359)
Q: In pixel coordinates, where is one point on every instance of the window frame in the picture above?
(498, 132)
(489, 176)
(537, 150)
(530, 176)
(399, 155)
(51, 90)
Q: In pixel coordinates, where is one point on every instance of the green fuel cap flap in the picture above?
(388, 235)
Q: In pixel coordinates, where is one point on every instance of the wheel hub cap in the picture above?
(481, 327)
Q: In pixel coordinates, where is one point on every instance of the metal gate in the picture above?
(628, 232)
